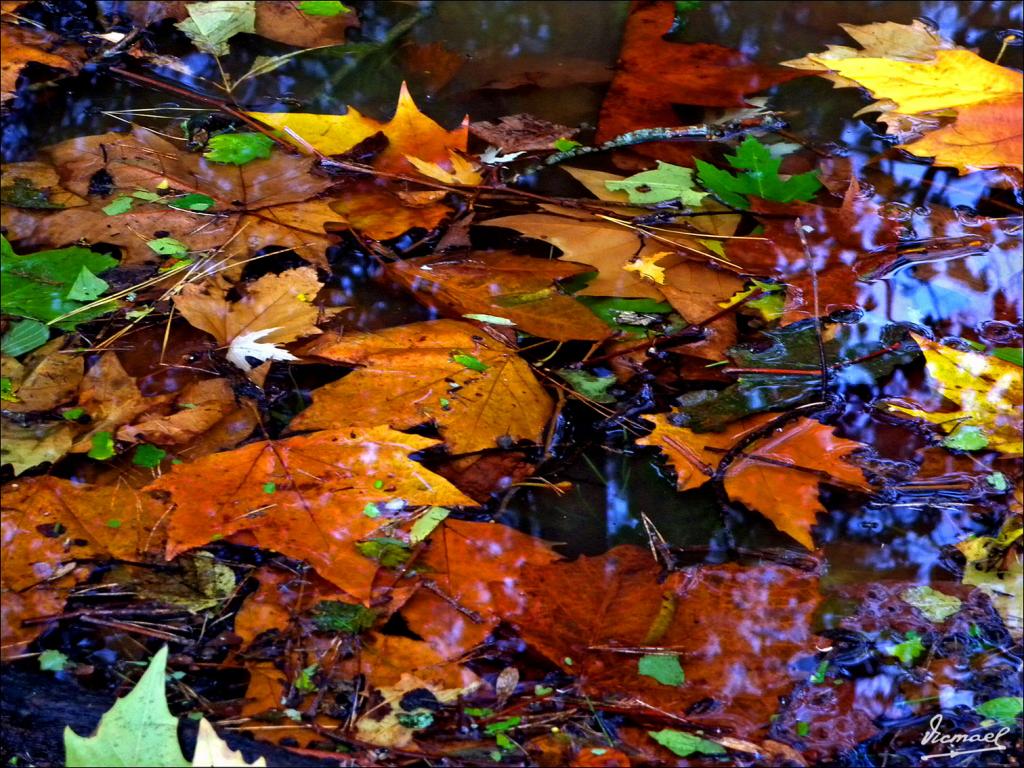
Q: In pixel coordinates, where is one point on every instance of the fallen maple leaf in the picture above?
(198, 408)
(519, 289)
(213, 752)
(410, 133)
(989, 128)
(987, 389)
(304, 497)
(263, 203)
(779, 476)
(475, 389)
(275, 309)
(647, 267)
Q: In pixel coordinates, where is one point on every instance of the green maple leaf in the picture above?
(664, 183)
(139, 730)
(760, 178)
(238, 148)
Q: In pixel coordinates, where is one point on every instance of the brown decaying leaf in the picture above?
(738, 631)
(779, 476)
(24, 447)
(279, 304)
(654, 74)
(312, 508)
(501, 284)
(45, 379)
(111, 398)
(262, 203)
(196, 410)
(416, 378)
(381, 214)
(41, 178)
(21, 46)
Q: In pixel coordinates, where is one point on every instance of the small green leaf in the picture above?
(87, 287)
(118, 205)
(685, 744)
(149, 197)
(666, 182)
(802, 728)
(469, 362)
(113, 523)
(390, 553)
(192, 202)
(52, 661)
(148, 456)
(564, 145)
(270, 487)
(542, 690)
(138, 730)
(102, 446)
(998, 481)
(415, 721)
(1005, 709)
(7, 390)
(73, 414)
(908, 651)
(371, 510)
(304, 681)
(335, 616)
(663, 667)
(492, 729)
(819, 674)
(238, 148)
(24, 336)
(590, 386)
(323, 8)
(167, 246)
(932, 603)
(478, 711)
(967, 437)
(426, 524)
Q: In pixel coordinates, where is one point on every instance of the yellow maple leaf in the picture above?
(921, 78)
(409, 132)
(647, 266)
(987, 389)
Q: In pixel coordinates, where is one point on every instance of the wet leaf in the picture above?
(987, 389)
(908, 650)
(138, 730)
(52, 661)
(778, 476)
(936, 605)
(409, 133)
(276, 309)
(759, 177)
(212, 23)
(49, 284)
(24, 447)
(24, 336)
(987, 99)
(238, 148)
(1005, 709)
(685, 744)
(520, 133)
(664, 668)
(666, 182)
(262, 203)
(390, 730)
(416, 377)
(520, 289)
(46, 378)
(21, 46)
(322, 481)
